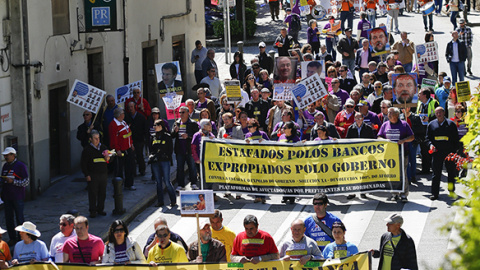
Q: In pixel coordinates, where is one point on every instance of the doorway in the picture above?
(59, 131)
(178, 51)
(149, 59)
(95, 67)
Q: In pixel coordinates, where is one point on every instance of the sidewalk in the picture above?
(70, 194)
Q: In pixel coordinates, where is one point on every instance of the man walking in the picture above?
(465, 35)
(456, 54)
(347, 46)
(198, 55)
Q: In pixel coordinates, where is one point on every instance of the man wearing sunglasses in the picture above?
(166, 251)
(66, 232)
(319, 225)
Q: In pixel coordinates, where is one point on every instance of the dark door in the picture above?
(149, 78)
(95, 67)
(178, 50)
(59, 131)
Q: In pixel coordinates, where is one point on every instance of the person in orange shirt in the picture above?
(371, 9)
(5, 255)
(345, 14)
(393, 7)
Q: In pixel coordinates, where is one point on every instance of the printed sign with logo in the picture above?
(281, 91)
(463, 91)
(100, 15)
(427, 52)
(86, 96)
(308, 91)
(232, 87)
(125, 92)
(428, 83)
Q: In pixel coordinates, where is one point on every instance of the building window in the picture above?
(60, 17)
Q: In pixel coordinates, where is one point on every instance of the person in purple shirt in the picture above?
(307, 120)
(370, 118)
(322, 132)
(363, 25)
(340, 93)
(312, 36)
(398, 131)
(14, 179)
(205, 114)
(205, 131)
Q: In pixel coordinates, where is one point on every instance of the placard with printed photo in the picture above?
(125, 92)
(308, 91)
(196, 201)
(281, 91)
(86, 96)
(311, 67)
(169, 78)
(427, 52)
(378, 38)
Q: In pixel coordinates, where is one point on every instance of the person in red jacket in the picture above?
(141, 105)
(345, 118)
(121, 141)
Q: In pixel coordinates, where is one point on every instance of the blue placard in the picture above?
(100, 16)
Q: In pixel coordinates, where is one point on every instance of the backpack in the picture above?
(295, 24)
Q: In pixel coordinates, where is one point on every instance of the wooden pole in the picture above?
(198, 235)
(93, 122)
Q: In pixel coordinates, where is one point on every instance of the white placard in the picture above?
(125, 92)
(196, 201)
(308, 91)
(281, 91)
(86, 96)
(427, 52)
(172, 101)
(6, 118)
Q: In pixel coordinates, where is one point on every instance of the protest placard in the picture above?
(311, 67)
(428, 83)
(405, 89)
(125, 92)
(463, 91)
(281, 91)
(308, 91)
(196, 201)
(232, 88)
(378, 38)
(426, 52)
(169, 78)
(86, 96)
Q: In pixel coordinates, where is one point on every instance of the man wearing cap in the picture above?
(121, 141)
(222, 233)
(397, 249)
(198, 55)
(442, 139)
(153, 239)
(345, 118)
(465, 35)
(347, 46)
(299, 247)
(85, 248)
(213, 251)
(15, 179)
(442, 93)
(5, 255)
(257, 108)
(253, 245)
(319, 225)
(264, 59)
(165, 251)
(266, 96)
(66, 232)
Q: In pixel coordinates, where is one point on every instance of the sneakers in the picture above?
(131, 188)
(179, 188)
(394, 197)
(404, 199)
(257, 200)
(194, 187)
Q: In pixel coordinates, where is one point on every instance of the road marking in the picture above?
(415, 214)
(357, 220)
(256, 209)
(283, 232)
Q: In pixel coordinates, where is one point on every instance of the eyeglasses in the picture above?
(86, 114)
(63, 224)
(377, 87)
(119, 230)
(331, 72)
(158, 124)
(319, 203)
(335, 82)
(341, 70)
(162, 235)
(249, 126)
(182, 112)
(458, 112)
(349, 106)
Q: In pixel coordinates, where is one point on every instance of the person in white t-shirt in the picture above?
(66, 231)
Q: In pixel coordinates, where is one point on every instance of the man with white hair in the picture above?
(300, 247)
(66, 232)
(15, 179)
(397, 249)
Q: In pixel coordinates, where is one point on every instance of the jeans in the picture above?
(181, 159)
(394, 14)
(412, 160)
(438, 4)
(330, 49)
(346, 15)
(161, 173)
(469, 58)
(457, 68)
(13, 208)
(371, 19)
(350, 63)
(453, 19)
(408, 67)
(430, 18)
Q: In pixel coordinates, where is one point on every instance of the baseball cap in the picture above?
(350, 102)
(155, 110)
(9, 150)
(204, 222)
(362, 103)
(348, 29)
(461, 20)
(265, 90)
(261, 44)
(288, 9)
(446, 79)
(394, 218)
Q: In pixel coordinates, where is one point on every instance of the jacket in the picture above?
(404, 255)
(138, 126)
(191, 129)
(237, 133)
(120, 135)
(216, 251)
(271, 114)
(161, 147)
(358, 58)
(210, 108)
(134, 252)
(287, 45)
(344, 46)
(241, 72)
(462, 51)
(266, 62)
(147, 111)
(405, 53)
(342, 123)
(365, 133)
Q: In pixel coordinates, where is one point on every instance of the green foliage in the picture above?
(251, 14)
(236, 27)
(250, 4)
(466, 255)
